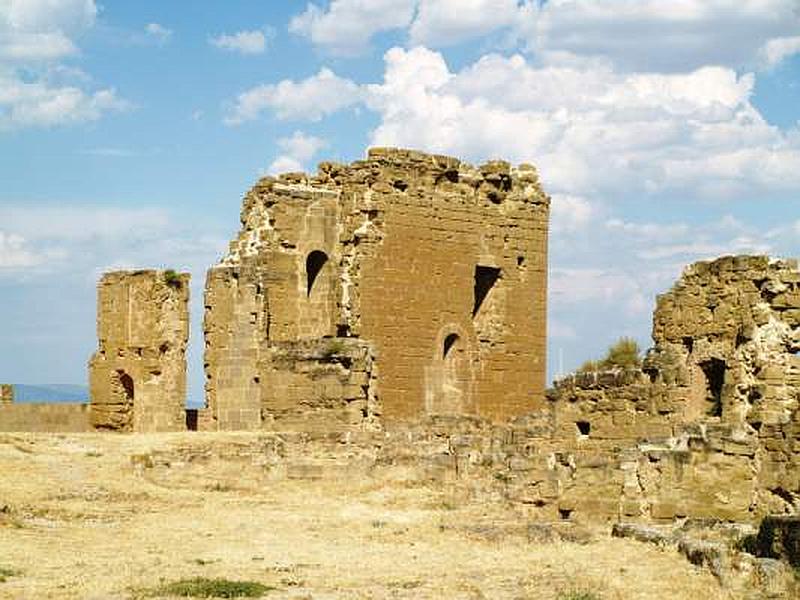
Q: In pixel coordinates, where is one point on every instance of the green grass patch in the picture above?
(172, 279)
(578, 595)
(200, 587)
(5, 573)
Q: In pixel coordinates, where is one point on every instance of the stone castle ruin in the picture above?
(401, 285)
(398, 303)
(137, 377)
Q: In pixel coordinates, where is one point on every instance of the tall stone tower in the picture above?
(137, 377)
(401, 285)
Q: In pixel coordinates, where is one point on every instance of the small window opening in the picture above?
(714, 370)
(126, 382)
(449, 342)
(314, 263)
(688, 343)
(565, 513)
(485, 278)
(191, 419)
(584, 427)
(520, 261)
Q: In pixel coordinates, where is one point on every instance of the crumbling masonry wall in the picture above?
(435, 266)
(710, 426)
(137, 377)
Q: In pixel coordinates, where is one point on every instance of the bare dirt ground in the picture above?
(78, 520)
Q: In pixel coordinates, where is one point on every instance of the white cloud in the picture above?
(297, 150)
(775, 50)
(588, 130)
(245, 42)
(660, 36)
(40, 30)
(158, 32)
(649, 232)
(347, 26)
(310, 99)
(285, 164)
(589, 285)
(48, 15)
(302, 146)
(444, 22)
(40, 104)
(570, 214)
(84, 222)
(14, 252)
(34, 34)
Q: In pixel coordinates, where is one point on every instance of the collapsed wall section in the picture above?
(437, 266)
(137, 377)
(709, 426)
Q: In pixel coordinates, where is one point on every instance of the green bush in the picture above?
(5, 573)
(624, 353)
(578, 595)
(334, 347)
(200, 587)
(172, 279)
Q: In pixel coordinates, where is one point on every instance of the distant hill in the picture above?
(50, 392)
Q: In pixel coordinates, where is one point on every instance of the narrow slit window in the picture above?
(485, 279)
(449, 342)
(714, 370)
(314, 264)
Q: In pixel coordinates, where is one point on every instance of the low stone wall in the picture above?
(6, 393)
(326, 385)
(55, 418)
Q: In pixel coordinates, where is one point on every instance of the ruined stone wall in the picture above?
(6, 393)
(327, 385)
(53, 418)
(439, 266)
(732, 327)
(137, 376)
(709, 426)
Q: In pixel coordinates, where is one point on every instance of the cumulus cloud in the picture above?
(296, 150)
(35, 30)
(157, 32)
(445, 22)
(570, 214)
(653, 35)
(589, 130)
(14, 252)
(633, 35)
(347, 26)
(244, 42)
(34, 35)
(41, 104)
(775, 50)
(309, 99)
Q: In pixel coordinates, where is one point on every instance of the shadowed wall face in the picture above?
(406, 252)
(137, 376)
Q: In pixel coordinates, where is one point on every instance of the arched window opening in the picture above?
(485, 279)
(449, 342)
(314, 263)
(126, 382)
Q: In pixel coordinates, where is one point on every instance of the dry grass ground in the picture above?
(78, 521)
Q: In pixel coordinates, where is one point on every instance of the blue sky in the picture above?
(665, 131)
